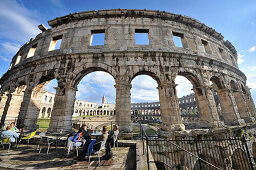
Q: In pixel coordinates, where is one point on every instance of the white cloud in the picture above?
(184, 86)
(240, 60)
(252, 68)
(252, 49)
(57, 3)
(252, 23)
(96, 84)
(144, 89)
(5, 59)
(8, 47)
(50, 87)
(17, 23)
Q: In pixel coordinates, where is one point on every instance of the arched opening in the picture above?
(240, 160)
(243, 89)
(241, 102)
(144, 94)
(186, 86)
(43, 112)
(45, 98)
(207, 111)
(12, 101)
(233, 85)
(95, 88)
(49, 112)
(217, 88)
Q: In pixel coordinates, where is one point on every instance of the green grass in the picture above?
(92, 116)
(154, 124)
(43, 123)
(151, 132)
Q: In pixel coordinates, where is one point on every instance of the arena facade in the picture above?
(204, 57)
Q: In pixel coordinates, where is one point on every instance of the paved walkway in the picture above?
(27, 157)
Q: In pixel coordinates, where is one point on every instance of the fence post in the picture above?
(147, 151)
(198, 153)
(247, 150)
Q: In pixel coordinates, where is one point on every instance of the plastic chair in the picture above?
(28, 137)
(102, 147)
(45, 141)
(71, 145)
(4, 141)
(115, 141)
(42, 134)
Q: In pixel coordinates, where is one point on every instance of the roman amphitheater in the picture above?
(203, 58)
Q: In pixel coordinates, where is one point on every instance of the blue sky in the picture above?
(234, 19)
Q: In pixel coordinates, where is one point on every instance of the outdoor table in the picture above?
(96, 134)
(56, 137)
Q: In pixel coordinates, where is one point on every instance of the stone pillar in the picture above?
(207, 108)
(15, 104)
(250, 103)
(229, 109)
(63, 108)
(169, 107)
(24, 106)
(32, 110)
(242, 107)
(123, 103)
(5, 103)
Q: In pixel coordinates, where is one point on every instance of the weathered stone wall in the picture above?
(205, 57)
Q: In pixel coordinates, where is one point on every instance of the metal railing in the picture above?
(204, 153)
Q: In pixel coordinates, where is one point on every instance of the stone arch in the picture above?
(217, 82)
(151, 74)
(88, 68)
(240, 160)
(206, 106)
(243, 89)
(49, 112)
(233, 86)
(192, 76)
(43, 112)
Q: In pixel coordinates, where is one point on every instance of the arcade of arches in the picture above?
(203, 57)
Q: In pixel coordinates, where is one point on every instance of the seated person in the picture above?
(78, 138)
(14, 128)
(9, 134)
(86, 135)
(97, 143)
(113, 135)
(102, 137)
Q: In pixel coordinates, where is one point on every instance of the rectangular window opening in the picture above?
(220, 50)
(177, 38)
(31, 51)
(204, 44)
(55, 43)
(97, 37)
(18, 59)
(141, 36)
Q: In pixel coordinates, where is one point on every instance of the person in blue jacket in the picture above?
(78, 138)
(9, 134)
